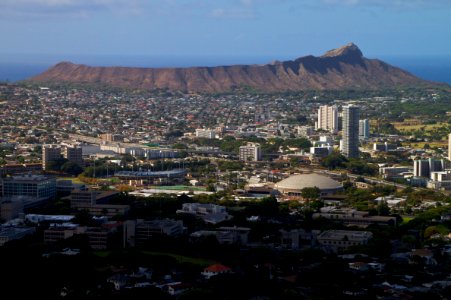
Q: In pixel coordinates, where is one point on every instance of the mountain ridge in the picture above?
(341, 68)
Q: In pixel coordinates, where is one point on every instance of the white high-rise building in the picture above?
(449, 146)
(364, 129)
(251, 152)
(328, 118)
(351, 131)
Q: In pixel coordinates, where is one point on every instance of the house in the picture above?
(177, 288)
(119, 281)
(215, 269)
(358, 266)
(425, 255)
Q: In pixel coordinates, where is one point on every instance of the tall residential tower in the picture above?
(328, 118)
(351, 131)
(364, 129)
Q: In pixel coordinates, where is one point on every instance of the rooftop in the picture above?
(301, 181)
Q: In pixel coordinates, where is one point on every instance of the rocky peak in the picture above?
(347, 51)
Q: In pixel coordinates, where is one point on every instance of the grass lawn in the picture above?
(103, 253)
(405, 126)
(74, 180)
(438, 144)
(407, 219)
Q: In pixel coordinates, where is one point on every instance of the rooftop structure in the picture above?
(33, 188)
(175, 173)
(338, 240)
(250, 152)
(210, 213)
(353, 217)
(13, 233)
(293, 185)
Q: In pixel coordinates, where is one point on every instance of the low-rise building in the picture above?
(393, 172)
(210, 213)
(14, 233)
(205, 133)
(13, 169)
(391, 200)
(225, 235)
(349, 216)
(146, 229)
(215, 269)
(58, 232)
(95, 202)
(339, 240)
(33, 189)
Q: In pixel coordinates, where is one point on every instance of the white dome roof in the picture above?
(298, 182)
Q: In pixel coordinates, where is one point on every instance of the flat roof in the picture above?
(28, 177)
(157, 174)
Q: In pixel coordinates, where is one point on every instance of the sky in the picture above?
(235, 28)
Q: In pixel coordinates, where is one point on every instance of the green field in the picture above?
(438, 144)
(407, 219)
(406, 126)
(74, 180)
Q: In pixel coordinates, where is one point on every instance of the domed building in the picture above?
(293, 185)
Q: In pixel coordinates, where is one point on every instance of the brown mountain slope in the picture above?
(342, 68)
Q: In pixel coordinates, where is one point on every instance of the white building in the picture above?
(210, 213)
(364, 129)
(449, 146)
(338, 240)
(328, 118)
(250, 152)
(205, 133)
(305, 131)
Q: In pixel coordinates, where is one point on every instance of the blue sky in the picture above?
(241, 28)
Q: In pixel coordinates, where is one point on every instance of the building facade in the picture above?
(250, 152)
(73, 154)
(351, 131)
(364, 129)
(205, 133)
(339, 240)
(33, 187)
(424, 167)
(328, 118)
(449, 146)
(50, 153)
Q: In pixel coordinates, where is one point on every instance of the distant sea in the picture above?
(19, 67)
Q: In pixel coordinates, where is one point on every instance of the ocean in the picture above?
(19, 67)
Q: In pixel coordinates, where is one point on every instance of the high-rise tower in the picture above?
(328, 118)
(351, 131)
